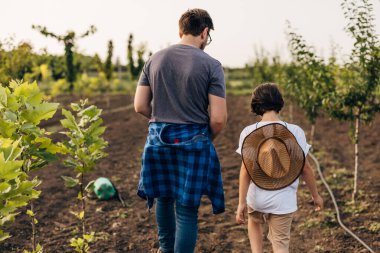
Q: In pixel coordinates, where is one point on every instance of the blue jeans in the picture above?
(177, 230)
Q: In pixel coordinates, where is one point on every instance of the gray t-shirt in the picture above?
(181, 77)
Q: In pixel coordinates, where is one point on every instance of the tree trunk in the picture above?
(291, 112)
(357, 125)
(312, 132)
(108, 100)
(83, 205)
(119, 72)
(34, 231)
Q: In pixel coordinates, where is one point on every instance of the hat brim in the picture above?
(249, 154)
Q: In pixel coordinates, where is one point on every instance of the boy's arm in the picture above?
(308, 177)
(244, 181)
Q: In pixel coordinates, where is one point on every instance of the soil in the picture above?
(132, 229)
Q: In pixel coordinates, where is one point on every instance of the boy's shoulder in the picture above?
(250, 128)
(247, 130)
(294, 126)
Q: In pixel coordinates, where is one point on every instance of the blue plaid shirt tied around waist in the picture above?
(180, 161)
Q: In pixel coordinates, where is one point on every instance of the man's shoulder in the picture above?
(210, 59)
(194, 52)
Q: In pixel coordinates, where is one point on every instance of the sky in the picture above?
(241, 26)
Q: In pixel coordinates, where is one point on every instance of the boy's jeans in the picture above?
(177, 230)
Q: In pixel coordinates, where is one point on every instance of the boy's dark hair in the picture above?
(194, 21)
(266, 97)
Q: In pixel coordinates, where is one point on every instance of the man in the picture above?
(182, 92)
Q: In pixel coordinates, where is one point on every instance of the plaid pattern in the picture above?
(180, 161)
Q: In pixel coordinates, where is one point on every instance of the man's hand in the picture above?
(240, 213)
(318, 202)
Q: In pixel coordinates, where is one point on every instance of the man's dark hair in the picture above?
(194, 21)
(266, 97)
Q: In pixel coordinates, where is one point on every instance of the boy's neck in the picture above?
(270, 116)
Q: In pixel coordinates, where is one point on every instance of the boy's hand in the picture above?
(318, 202)
(240, 213)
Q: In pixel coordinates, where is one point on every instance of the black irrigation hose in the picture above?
(336, 205)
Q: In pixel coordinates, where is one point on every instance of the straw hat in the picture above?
(272, 156)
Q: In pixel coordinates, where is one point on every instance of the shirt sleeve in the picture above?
(301, 138)
(217, 86)
(144, 76)
(241, 139)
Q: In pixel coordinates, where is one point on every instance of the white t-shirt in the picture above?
(281, 201)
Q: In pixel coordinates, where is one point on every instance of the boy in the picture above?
(274, 156)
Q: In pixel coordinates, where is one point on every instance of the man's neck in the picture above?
(190, 40)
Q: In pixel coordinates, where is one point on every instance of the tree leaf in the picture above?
(70, 182)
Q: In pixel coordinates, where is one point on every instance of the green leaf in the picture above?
(19, 201)
(90, 186)
(4, 235)
(11, 116)
(70, 182)
(12, 103)
(10, 149)
(69, 122)
(3, 98)
(39, 112)
(5, 187)
(75, 107)
(80, 197)
(81, 215)
(9, 169)
(30, 213)
(91, 112)
(47, 145)
(70, 162)
(30, 92)
(30, 128)
(89, 237)
(39, 248)
(6, 128)
(45, 155)
(8, 218)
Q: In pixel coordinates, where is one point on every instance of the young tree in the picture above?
(84, 147)
(356, 97)
(133, 70)
(131, 63)
(22, 108)
(108, 67)
(140, 59)
(15, 188)
(311, 80)
(16, 61)
(118, 67)
(98, 64)
(68, 40)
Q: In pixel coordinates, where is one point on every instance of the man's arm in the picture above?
(218, 114)
(143, 97)
(308, 177)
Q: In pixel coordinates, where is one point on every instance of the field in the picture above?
(132, 229)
